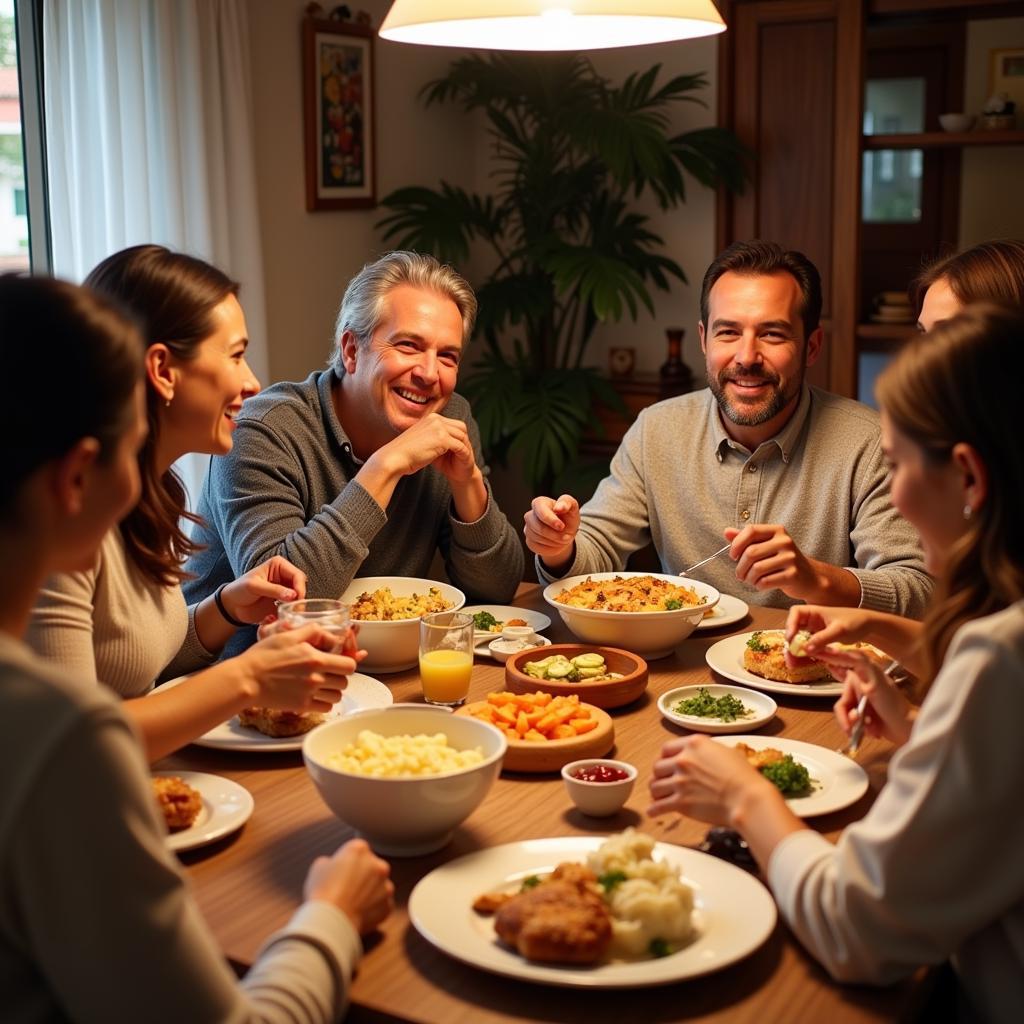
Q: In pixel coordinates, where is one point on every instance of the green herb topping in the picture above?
(672, 604)
(483, 621)
(756, 644)
(791, 778)
(529, 882)
(610, 879)
(659, 948)
(727, 707)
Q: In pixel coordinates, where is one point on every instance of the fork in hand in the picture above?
(857, 732)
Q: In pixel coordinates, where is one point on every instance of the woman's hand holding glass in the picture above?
(254, 596)
(297, 670)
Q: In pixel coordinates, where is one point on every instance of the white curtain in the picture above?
(149, 139)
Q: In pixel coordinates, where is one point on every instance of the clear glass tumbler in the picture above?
(446, 657)
(330, 615)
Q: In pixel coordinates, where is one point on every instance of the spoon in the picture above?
(704, 561)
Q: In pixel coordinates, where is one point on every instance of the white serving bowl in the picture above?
(956, 122)
(599, 799)
(394, 646)
(652, 634)
(411, 815)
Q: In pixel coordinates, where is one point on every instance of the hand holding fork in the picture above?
(857, 732)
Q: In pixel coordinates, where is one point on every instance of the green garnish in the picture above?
(659, 948)
(791, 778)
(529, 882)
(727, 707)
(755, 644)
(610, 879)
(672, 604)
(483, 621)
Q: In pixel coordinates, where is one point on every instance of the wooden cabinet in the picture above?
(791, 85)
(637, 391)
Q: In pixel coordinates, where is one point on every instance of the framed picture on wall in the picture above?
(338, 96)
(1007, 74)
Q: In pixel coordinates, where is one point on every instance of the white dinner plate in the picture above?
(226, 808)
(734, 914)
(761, 707)
(726, 658)
(728, 611)
(538, 620)
(362, 692)
(838, 780)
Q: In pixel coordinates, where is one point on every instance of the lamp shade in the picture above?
(548, 24)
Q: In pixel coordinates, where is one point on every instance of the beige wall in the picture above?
(308, 257)
(990, 204)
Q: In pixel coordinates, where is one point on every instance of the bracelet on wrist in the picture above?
(218, 600)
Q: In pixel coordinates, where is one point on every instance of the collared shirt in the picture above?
(679, 480)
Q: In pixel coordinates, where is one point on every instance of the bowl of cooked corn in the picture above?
(404, 776)
(650, 614)
(388, 610)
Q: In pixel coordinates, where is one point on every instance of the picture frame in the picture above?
(339, 100)
(1006, 74)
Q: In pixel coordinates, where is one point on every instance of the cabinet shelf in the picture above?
(881, 337)
(945, 140)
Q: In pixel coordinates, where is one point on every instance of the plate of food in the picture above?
(489, 619)
(704, 914)
(814, 780)
(758, 659)
(728, 611)
(717, 708)
(265, 730)
(199, 808)
(544, 731)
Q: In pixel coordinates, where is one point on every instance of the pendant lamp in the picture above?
(548, 24)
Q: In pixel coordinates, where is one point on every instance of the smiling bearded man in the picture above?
(372, 466)
(792, 476)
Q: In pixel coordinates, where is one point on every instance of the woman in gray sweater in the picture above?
(96, 923)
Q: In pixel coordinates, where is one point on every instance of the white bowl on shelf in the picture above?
(956, 122)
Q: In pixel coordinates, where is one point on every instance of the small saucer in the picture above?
(501, 649)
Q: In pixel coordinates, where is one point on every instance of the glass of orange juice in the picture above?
(446, 657)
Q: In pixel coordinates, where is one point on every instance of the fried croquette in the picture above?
(272, 722)
(561, 920)
(178, 801)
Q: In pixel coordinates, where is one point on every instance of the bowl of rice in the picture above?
(388, 610)
(404, 776)
(647, 613)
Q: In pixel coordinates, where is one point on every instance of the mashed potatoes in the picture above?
(405, 755)
(651, 907)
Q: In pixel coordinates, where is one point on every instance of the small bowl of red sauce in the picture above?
(599, 786)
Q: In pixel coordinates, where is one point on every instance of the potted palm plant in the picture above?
(571, 153)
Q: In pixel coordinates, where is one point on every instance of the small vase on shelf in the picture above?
(676, 376)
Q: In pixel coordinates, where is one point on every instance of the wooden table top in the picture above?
(248, 884)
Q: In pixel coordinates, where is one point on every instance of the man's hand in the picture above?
(550, 529)
(435, 441)
(767, 558)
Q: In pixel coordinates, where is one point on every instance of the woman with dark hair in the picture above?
(96, 922)
(124, 621)
(934, 870)
(989, 272)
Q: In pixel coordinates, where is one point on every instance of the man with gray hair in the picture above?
(368, 467)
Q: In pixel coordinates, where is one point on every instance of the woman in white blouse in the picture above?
(935, 870)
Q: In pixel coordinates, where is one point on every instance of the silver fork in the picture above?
(857, 732)
(703, 561)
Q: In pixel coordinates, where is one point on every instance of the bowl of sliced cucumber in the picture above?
(606, 677)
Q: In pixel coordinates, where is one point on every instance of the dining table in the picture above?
(248, 884)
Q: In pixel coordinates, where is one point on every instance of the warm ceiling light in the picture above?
(548, 24)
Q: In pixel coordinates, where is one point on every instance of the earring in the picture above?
(968, 511)
(167, 402)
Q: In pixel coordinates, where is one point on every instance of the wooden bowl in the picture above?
(608, 693)
(551, 755)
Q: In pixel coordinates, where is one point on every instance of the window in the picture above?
(891, 187)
